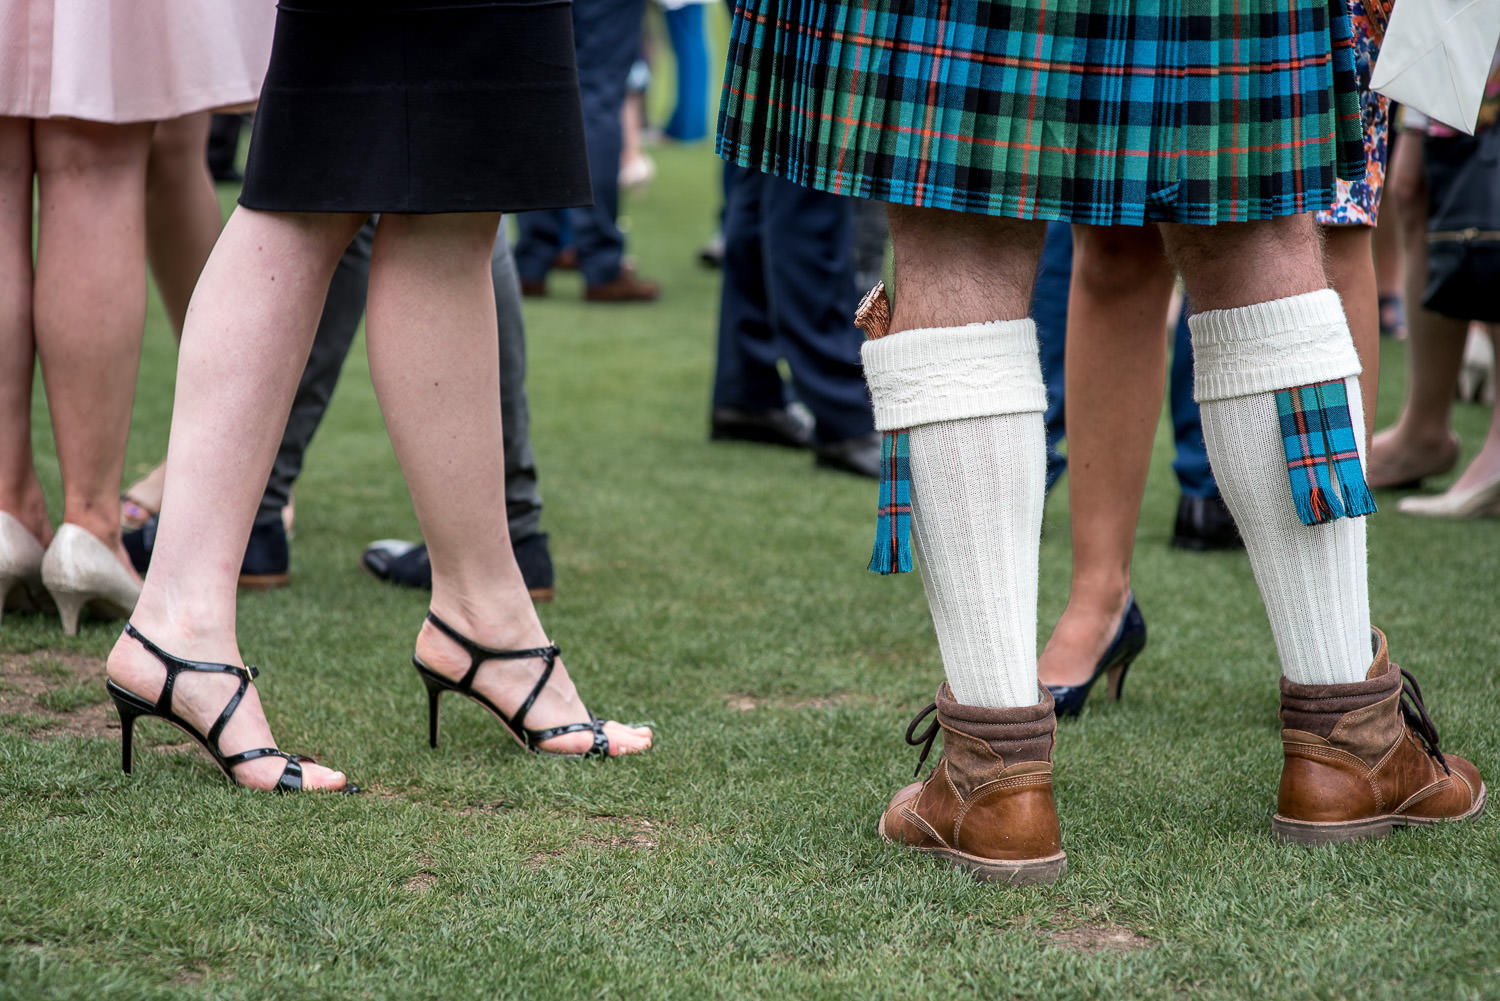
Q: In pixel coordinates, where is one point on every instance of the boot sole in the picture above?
(1021, 872)
(1315, 833)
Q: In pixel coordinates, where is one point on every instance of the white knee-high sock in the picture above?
(1311, 577)
(972, 399)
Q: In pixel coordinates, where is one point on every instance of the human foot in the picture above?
(1482, 470)
(142, 499)
(1399, 459)
(1475, 494)
(507, 683)
(200, 699)
(1082, 635)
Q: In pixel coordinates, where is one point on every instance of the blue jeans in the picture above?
(689, 121)
(1049, 309)
(1191, 461)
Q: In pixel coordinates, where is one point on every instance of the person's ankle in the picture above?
(192, 632)
(1100, 596)
(102, 522)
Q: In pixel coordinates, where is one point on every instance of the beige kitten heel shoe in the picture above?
(1479, 502)
(80, 571)
(20, 566)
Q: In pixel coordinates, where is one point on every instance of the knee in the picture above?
(66, 148)
(459, 236)
(1110, 262)
(1406, 187)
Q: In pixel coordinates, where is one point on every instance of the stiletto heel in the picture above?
(527, 738)
(128, 709)
(435, 691)
(131, 706)
(1129, 641)
(1117, 680)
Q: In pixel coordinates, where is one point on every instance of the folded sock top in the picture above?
(936, 374)
(1271, 345)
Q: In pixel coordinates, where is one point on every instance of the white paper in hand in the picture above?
(1436, 57)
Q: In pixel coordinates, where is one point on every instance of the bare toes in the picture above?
(318, 777)
(627, 739)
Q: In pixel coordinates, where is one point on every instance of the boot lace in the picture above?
(926, 738)
(1415, 714)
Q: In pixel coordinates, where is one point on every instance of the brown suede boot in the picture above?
(987, 807)
(1360, 761)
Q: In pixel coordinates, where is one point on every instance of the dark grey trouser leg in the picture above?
(523, 501)
(341, 315)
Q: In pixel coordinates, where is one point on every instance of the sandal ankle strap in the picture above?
(478, 653)
(175, 665)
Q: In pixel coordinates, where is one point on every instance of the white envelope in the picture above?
(1436, 57)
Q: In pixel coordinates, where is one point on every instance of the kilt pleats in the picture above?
(1106, 112)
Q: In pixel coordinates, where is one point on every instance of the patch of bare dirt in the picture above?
(1092, 938)
(420, 883)
(637, 834)
(424, 880)
(56, 691)
(750, 703)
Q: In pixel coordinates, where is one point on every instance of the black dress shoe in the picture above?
(782, 426)
(1204, 523)
(860, 456)
(267, 561)
(406, 564)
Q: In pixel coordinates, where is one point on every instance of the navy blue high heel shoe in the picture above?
(1129, 641)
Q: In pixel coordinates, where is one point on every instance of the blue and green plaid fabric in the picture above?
(893, 516)
(1108, 112)
(1317, 433)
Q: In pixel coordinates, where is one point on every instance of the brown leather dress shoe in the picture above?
(987, 807)
(625, 287)
(1363, 759)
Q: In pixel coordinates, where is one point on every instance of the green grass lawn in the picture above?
(720, 592)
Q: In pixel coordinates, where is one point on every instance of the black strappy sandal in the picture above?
(131, 706)
(437, 684)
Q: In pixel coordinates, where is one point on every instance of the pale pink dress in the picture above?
(131, 60)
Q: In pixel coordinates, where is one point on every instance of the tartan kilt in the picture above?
(1091, 111)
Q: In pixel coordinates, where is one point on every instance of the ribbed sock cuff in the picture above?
(1270, 346)
(950, 373)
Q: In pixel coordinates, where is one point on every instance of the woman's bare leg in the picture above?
(1434, 343)
(90, 305)
(1116, 374)
(1349, 260)
(182, 211)
(434, 362)
(20, 490)
(1485, 466)
(182, 222)
(249, 328)
(1386, 243)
